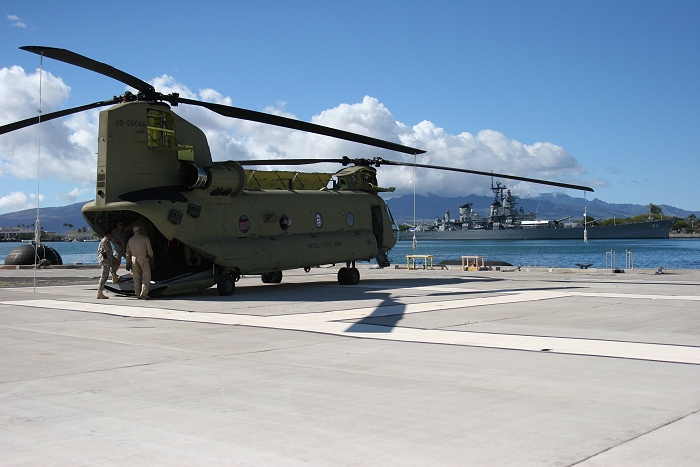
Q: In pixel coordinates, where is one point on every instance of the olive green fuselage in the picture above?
(153, 163)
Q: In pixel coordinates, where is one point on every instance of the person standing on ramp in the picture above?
(109, 263)
(119, 239)
(139, 256)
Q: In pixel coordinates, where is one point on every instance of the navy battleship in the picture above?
(506, 222)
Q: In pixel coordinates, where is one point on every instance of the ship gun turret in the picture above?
(562, 219)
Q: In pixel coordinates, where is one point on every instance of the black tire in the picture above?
(265, 277)
(225, 285)
(276, 277)
(353, 276)
(343, 276)
(24, 255)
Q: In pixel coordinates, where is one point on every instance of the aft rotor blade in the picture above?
(50, 116)
(288, 161)
(73, 58)
(285, 122)
(490, 174)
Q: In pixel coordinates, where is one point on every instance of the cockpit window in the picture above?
(394, 226)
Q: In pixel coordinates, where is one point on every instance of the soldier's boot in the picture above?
(101, 295)
(115, 278)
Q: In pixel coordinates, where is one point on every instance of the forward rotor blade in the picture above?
(243, 114)
(73, 58)
(50, 116)
(490, 174)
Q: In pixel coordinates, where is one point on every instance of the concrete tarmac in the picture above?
(444, 367)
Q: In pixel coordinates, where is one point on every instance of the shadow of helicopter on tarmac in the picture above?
(386, 315)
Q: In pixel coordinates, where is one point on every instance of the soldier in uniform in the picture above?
(139, 259)
(119, 239)
(109, 263)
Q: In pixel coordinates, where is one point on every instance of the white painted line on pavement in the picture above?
(331, 322)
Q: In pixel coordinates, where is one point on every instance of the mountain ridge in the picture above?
(428, 207)
(51, 218)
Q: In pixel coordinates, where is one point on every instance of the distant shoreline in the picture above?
(683, 235)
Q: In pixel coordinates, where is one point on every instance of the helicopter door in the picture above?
(378, 225)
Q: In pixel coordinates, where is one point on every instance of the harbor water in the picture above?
(676, 253)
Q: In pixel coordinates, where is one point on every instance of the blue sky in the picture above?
(604, 94)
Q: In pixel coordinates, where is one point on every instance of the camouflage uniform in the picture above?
(119, 239)
(108, 262)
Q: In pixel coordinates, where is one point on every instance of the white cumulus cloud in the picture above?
(18, 201)
(69, 144)
(486, 151)
(71, 196)
(16, 21)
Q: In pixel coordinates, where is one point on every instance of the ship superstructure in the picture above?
(507, 222)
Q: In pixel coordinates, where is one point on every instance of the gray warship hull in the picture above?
(651, 229)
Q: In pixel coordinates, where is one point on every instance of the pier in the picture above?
(409, 367)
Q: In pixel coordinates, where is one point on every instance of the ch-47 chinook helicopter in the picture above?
(211, 222)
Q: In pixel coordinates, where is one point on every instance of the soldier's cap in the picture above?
(136, 228)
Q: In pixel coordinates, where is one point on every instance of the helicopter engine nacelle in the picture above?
(192, 176)
(222, 178)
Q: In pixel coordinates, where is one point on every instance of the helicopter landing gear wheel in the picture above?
(265, 277)
(353, 276)
(225, 285)
(349, 275)
(343, 276)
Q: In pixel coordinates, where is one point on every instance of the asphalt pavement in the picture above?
(410, 367)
